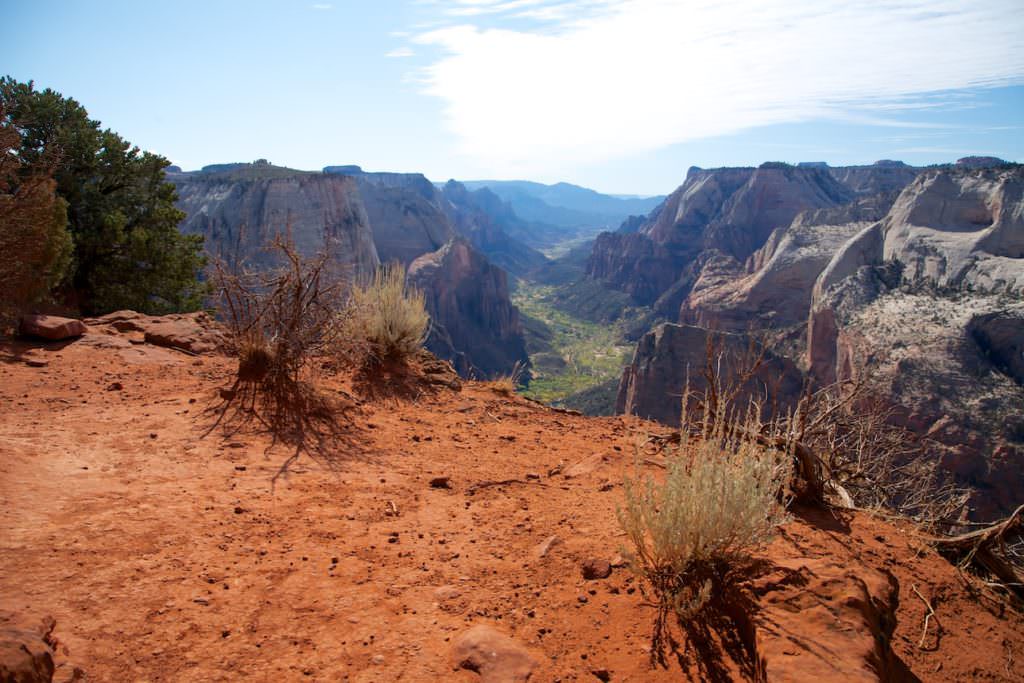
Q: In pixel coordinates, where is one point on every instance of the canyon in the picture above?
(909, 280)
(906, 277)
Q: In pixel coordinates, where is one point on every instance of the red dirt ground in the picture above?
(168, 555)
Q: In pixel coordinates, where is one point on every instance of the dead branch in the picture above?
(986, 549)
(485, 484)
(927, 616)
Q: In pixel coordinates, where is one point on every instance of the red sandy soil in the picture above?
(166, 553)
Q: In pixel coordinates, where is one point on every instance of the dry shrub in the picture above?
(694, 531)
(282, 323)
(506, 385)
(866, 461)
(388, 316)
(844, 446)
(280, 319)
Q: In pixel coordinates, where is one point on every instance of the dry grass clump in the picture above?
(693, 532)
(389, 316)
(506, 385)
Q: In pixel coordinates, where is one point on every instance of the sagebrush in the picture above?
(389, 316)
(692, 531)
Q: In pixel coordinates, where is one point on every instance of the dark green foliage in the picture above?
(35, 248)
(128, 252)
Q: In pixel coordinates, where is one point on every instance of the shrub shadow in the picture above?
(723, 632)
(423, 375)
(297, 416)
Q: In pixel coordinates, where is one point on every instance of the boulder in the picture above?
(195, 333)
(842, 630)
(26, 654)
(493, 655)
(51, 327)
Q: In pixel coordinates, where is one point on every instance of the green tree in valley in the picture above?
(128, 252)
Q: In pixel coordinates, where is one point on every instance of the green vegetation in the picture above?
(32, 233)
(570, 355)
(261, 169)
(120, 215)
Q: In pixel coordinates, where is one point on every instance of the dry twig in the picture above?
(927, 616)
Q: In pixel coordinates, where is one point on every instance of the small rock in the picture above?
(227, 394)
(596, 568)
(115, 386)
(441, 483)
(493, 655)
(545, 547)
(36, 363)
(445, 593)
(602, 675)
(532, 475)
(585, 466)
(240, 510)
(378, 659)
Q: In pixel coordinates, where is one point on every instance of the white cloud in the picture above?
(322, 6)
(400, 52)
(642, 74)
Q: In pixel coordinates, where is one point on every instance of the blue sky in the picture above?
(620, 96)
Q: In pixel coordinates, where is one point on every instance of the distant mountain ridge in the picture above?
(567, 205)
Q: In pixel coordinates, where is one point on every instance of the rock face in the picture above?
(404, 214)
(652, 385)
(474, 324)
(773, 288)
(364, 219)
(51, 327)
(732, 211)
(239, 218)
(882, 176)
(491, 226)
(410, 217)
(908, 279)
(728, 210)
(927, 304)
